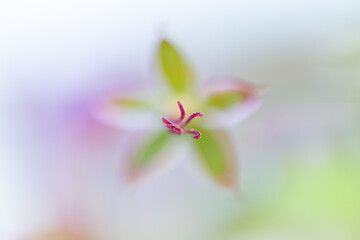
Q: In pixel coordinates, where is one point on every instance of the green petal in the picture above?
(174, 67)
(149, 154)
(130, 103)
(226, 100)
(217, 156)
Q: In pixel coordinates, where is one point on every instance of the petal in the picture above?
(130, 110)
(150, 154)
(174, 67)
(131, 103)
(217, 155)
(226, 99)
(230, 100)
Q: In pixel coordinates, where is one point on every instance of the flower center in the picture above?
(178, 125)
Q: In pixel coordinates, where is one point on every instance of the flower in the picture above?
(223, 103)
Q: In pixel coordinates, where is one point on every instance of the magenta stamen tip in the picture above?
(166, 121)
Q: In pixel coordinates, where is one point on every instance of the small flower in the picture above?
(224, 102)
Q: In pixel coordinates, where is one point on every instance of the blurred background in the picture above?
(299, 154)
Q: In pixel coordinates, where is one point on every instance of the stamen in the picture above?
(197, 134)
(178, 125)
(175, 128)
(166, 121)
(196, 114)
(182, 112)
